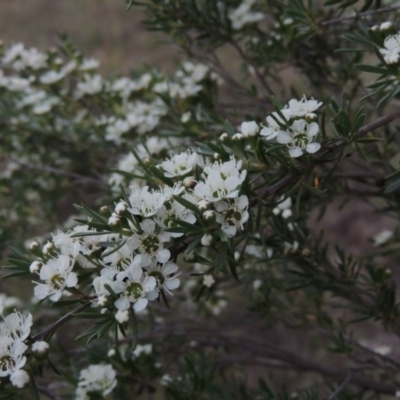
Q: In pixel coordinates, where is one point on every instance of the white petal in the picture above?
(71, 280)
(163, 255)
(149, 284)
(172, 283)
(169, 268)
(313, 129)
(313, 147)
(41, 291)
(122, 303)
(152, 295)
(284, 137)
(140, 305)
(295, 152)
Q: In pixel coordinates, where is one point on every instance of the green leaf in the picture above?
(371, 68)
(222, 256)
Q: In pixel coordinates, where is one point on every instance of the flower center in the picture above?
(6, 363)
(150, 244)
(134, 289)
(57, 281)
(300, 140)
(160, 278)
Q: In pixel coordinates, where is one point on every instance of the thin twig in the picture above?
(342, 386)
(363, 14)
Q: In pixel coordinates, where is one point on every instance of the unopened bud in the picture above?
(216, 156)
(114, 222)
(35, 266)
(48, 247)
(40, 350)
(121, 207)
(105, 211)
(206, 240)
(209, 215)
(203, 205)
(237, 136)
(224, 137)
(189, 182)
(306, 252)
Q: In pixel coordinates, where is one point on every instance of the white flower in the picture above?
(391, 52)
(19, 378)
(165, 276)
(91, 85)
(12, 53)
(89, 64)
(35, 266)
(99, 378)
(16, 326)
(303, 107)
(150, 242)
(208, 280)
(165, 216)
(145, 203)
(12, 356)
(300, 138)
(57, 273)
(179, 164)
(142, 349)
(250, 128)
(274, 128)
(385, 26)
(232, 215)
(284, 207)
(243, 15)
(133, 285)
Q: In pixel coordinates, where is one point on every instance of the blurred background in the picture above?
(102, 29)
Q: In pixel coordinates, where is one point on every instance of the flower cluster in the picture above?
(131, 260)
(244, 15)
(14, 330)
(97, 378)
(391, 50)
(294, 126)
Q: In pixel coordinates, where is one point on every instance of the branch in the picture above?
(363, 14)
(60, 322)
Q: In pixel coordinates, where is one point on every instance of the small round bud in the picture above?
(34, 246)
(374, 28)
(206, 240)
(114, 221)
(189, 182)
(203, 205)
(35, 266)
(121, 207)
(216, 156)
(105, 211)
(388, 272)
(189, 257)
(209, 215)
(249, 128)
(287, 21)
(40, 350)
(48, 247)
(287, 213)
(257, 284)
(311, 116)
(224, 137)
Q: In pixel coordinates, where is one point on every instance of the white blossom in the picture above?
(99, 378)
(57, 274)
(249, 128)
(391, 50)
(208, 280)
(300, 138)
(179, 164)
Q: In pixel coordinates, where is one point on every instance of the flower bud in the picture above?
(203, 205)
(216, 156)
(206, 240)
(122, 316)
(40, 350)
(105, 211)
(224, 137)
(385, 26)
(189, 182)
(209, 215)
(121, 207)
(114, 222)
(237, 136)
(48, 247)
(35, 266)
